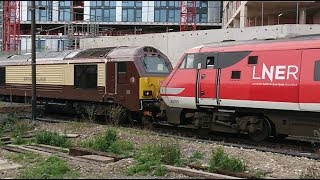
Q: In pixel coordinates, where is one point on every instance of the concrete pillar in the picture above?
(302, 16)
(243, 16)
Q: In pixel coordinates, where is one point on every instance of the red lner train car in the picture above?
(263, 88)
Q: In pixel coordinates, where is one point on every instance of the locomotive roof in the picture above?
(119, 53)
(299, 42)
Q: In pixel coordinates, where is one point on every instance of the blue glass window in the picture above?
(41, 15)
(65, 15)
(202, 11)
(167, 11)
(131, 11)
(103, 11)
(65, 3)
(64, 11)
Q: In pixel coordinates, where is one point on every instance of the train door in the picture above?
(207, 79)
(116, 80)
(110, 80)
(309, 87)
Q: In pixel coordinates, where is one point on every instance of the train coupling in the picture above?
(147, 113)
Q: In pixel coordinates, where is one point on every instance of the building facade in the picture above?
(60, 24)
(239, 14)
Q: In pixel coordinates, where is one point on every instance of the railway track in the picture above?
(293, 146)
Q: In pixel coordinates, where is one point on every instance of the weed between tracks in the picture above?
(109, 142)
(195, 158)
(11, 126)
(53, 139)
(219, 160)
(149, 158)
(36, 166)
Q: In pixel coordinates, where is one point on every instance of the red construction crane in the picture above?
(11, 26)
(188, 12)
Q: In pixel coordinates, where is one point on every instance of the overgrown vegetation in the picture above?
(24, 158)
(195, 158)
(90, 114)
(51, 168)
(220, 160)
(53, 139)
(14, 127)
(149, 159)
(109, 142)
(115, 115)
(260, 174)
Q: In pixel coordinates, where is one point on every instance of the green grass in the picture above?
(109, 142)
(219, 160)
(195, 158)
(53, 139)
(260, 174)
(11, 126)
(24, 158)
(18, 140)
(121, 147)
(149, 159)
(51, 168)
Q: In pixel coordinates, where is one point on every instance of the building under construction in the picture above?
(60, 24)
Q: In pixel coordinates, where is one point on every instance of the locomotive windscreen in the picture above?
(155, 64)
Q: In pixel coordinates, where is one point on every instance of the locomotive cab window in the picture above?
(2, 76)
(316, 75)
(155, 64)
(188, 62)
(210, 62)
(85, 76)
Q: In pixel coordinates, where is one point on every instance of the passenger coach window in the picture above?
(2, 76)
(316, 75)
(235, 74)
(188, 62)
(85, 76)
(155, 64)
(253, 60)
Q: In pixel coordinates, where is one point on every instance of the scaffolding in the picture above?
(11, 26)
(188, 12)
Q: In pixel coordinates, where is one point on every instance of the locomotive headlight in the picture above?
(147, 93)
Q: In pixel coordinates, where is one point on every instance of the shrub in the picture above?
(219, 160)
(170, 152)
(109, 143)
(15, 127)
(102, 143)
(52, 138)
(149, 158)
(116, 114)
